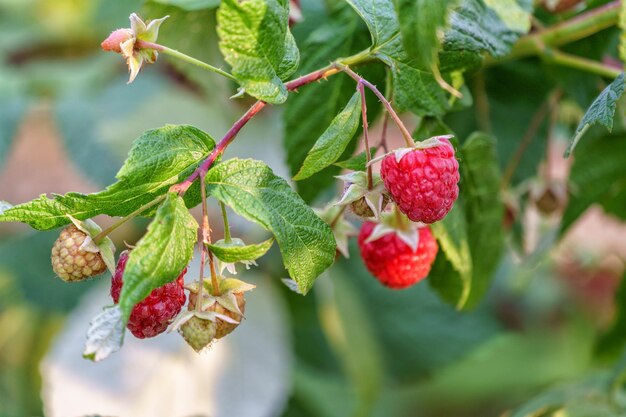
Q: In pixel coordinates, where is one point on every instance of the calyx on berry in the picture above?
(342, 230)
(365, 201)
(216, 316)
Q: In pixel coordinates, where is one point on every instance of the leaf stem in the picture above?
(98, 238)
(183, 57)
(368, 158)
(227, 237)
(577, 28)
(405, 133)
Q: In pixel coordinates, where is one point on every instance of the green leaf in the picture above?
(451, 274)
(191, 4)
(357, 162)
(380, 18)
(484, 211)
(476, 28)
(413, 89)
(256, 42)
(237, 251)
(252, 190)
(474, 227)
(158, 159)
(308, 113)
(160, 255)
(601, 110)
(420, 20)
(598, 176)
(334, 141)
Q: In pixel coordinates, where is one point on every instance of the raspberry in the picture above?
(424, 183)
(151, 316)
(71, 263)
(393, 262)
(198, 333)
(223, 327)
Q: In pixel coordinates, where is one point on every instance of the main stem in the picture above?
(221, 146)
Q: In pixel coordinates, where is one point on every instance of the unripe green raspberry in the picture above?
(71, 263)
(198, 333)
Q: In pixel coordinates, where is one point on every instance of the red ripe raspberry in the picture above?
(393, 262)
(424, 183)
(151, 316)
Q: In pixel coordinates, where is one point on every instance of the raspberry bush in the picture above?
(418, 136)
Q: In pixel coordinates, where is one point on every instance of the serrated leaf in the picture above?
(105, 334)
(160, 255)
(413, 89)
(601, 110)
(256, 42)
(253, 191)
(237, 251)
(473, 228)
(598, 176)
(191, 4)
(420, 21)
(334, 141)
(158, 159)
(357, 162)
(476, 29)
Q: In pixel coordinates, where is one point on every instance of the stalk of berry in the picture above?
(151, 317)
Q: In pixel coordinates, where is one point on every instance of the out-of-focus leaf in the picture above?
(462, 273)
(357, 162)
(611, 343)
(11, 115)
(476, 28)
(598, 176)
(420, 22)
(191, 4)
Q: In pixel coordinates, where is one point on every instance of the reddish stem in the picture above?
(361, 89)
(221, 146)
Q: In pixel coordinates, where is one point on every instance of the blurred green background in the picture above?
(547, 340)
